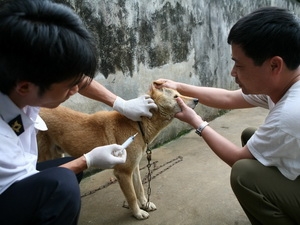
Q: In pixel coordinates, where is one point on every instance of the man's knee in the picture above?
(65, 183)
(242, 173)
(64, 201)
(51, 195)
(247, 134)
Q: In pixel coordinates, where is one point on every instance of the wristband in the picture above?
(201, 128)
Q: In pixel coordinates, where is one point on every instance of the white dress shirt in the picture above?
(18, 153)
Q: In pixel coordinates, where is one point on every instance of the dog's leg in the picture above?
(139, 190)
(126, 184)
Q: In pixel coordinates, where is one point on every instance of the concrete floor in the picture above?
(194, 191)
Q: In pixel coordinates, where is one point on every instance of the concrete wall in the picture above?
(142, 40)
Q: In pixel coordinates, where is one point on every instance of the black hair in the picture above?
(44, 43)
(268, 32)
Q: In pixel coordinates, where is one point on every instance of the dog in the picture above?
(77, 133)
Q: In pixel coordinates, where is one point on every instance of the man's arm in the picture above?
(209, 96)
(103, 157)
(76, 165)
(97, 91)
(222, 147)
(132, 109)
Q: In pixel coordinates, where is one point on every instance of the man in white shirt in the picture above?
(46, 56)
(265, 171)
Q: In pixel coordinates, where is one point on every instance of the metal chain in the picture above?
(112, 181)
(175, 161)
(149, 176)
(146, 178)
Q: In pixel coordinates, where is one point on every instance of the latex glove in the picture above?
(135, 108)
(105, 157)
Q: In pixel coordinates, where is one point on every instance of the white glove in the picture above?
(135, 108)
(105, 157)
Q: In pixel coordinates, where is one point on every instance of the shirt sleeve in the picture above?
(257, 100)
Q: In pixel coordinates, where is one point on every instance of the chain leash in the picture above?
(150, 176)
(112, 181)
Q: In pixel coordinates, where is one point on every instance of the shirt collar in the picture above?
(29, 114)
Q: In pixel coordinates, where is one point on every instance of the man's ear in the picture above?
(23, 87)
(276, 64)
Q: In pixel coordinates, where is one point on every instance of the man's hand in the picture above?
(160, 83)
(135, 108)
(105, 157)
(188, 115)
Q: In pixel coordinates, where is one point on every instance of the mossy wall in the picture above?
(142, 40)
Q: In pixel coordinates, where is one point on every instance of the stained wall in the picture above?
(142, 40)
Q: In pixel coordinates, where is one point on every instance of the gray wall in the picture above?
(142, 40)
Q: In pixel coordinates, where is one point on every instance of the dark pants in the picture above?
(51, 196)
(266, 196)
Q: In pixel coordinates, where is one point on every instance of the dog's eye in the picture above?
(175, 96)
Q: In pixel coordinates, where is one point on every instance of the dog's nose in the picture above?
(196, 101)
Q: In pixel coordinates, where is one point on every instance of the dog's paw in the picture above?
(149, 206)
(141, 215)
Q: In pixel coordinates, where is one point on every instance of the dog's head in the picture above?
(165, 99)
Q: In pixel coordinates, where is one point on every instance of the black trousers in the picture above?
(51, 196)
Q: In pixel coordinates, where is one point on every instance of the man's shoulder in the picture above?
(6, 132)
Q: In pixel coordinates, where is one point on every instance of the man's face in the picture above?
(55, 95)
(251, 79)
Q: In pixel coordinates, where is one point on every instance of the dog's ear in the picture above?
(157, 83)
(153, 91)
(154, 86)
(150, 91)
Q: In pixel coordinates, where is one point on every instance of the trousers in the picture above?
(266, 196)
(51, 196)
